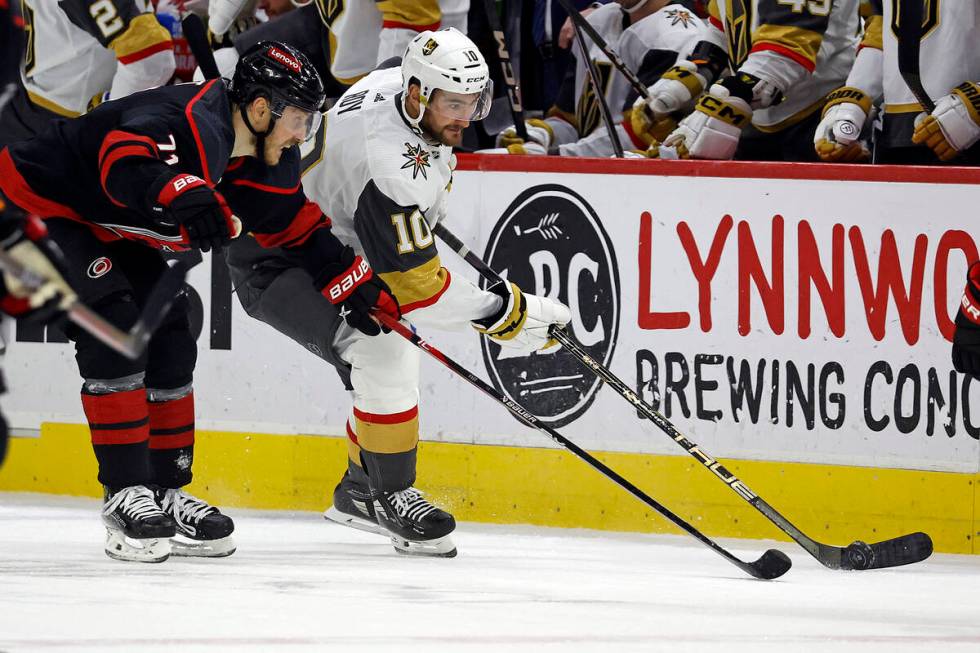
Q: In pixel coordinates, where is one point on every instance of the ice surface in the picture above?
(298, 583)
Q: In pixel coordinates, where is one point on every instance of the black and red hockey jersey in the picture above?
(108, 167)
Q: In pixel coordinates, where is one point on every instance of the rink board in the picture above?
(793, 319)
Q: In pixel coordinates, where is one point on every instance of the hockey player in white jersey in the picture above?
(649, 36)
(354, 35)
(80, 53)
(383, 178)
(785, 57)
(949, 59)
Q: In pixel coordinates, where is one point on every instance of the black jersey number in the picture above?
(930, 17)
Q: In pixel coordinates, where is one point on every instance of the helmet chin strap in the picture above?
(259, 136)
(416, 123)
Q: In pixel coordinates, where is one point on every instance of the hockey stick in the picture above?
(909, 38)
(772, 564)
(594, 77)
(130, 344)
(601, 43)
(197, 39)
(902, 550)
(506, 69)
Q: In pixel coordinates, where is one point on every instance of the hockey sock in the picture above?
(171, 437)
(119, 423)
(388, 445)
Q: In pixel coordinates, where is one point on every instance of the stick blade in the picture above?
(896, 552)
(772, 564)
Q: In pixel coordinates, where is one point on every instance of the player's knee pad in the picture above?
(95, 359)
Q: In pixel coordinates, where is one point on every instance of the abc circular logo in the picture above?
(550, 242)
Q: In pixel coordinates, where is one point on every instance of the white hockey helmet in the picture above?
(448, 61)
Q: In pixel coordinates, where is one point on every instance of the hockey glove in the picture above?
(676, 89)
(966, 338)
(838, 136)
(539, 138)
(202, 213)
(713, 129)
(27, 243)
(954, 125)
(523, 321)
(351, 285)
(646, 126)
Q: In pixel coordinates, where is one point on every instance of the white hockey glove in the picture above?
(838, 136)
(524, 320)
(222, 14)
(28, 244)
(540, 137)
(713, 128)
(676, 89)
(955, 124)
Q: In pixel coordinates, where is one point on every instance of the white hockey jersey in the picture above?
(383, 185)
(949, 54)
(77, 50)
(648, 48)
(804, 47)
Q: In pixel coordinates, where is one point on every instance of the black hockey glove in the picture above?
(351, 284)
(966, 338)
(202, 213)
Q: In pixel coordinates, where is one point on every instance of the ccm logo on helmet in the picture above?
(340, 289)
(99, 267)
(284, 58)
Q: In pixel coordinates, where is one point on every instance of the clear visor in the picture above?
(461, 106)
(302, 124)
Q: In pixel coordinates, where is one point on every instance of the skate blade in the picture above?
(186, 547)
(361, 524)
(130, 549)
(442, 547)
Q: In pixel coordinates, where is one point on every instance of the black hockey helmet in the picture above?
(281, 74)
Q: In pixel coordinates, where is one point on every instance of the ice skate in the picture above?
(136, 529)
(202, 531)
(352, 506)
(416, 526)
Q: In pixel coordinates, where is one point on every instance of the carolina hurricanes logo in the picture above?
(99, 267)
(284, 58)
(418, 160)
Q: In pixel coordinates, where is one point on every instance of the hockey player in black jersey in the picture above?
(171, 169)
(966, 338)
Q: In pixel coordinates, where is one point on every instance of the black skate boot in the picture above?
(202, 531)
(416, 526)
(352, 506)
(136, 529)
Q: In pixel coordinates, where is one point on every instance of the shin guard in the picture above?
(119, 423)
(171, 436)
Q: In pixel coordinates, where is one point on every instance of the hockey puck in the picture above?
(857, 555)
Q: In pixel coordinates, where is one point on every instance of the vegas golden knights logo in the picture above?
(429, 47)
(330, 10)
(930, 16)
(738, 25)
(588, 115)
